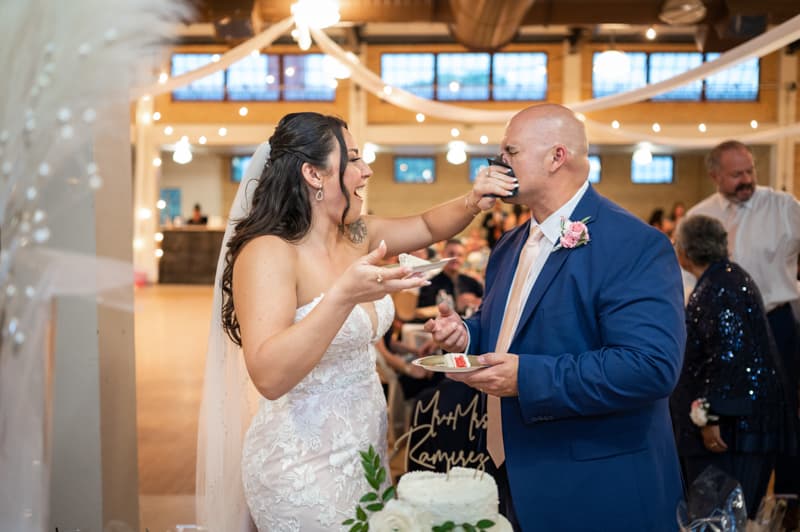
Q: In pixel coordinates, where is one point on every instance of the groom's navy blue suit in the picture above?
(589, 443)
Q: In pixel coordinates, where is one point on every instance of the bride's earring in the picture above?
(318, 196)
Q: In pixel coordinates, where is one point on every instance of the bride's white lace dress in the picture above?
(300, 463)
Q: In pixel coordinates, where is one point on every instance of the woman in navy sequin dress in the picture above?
(731, 362)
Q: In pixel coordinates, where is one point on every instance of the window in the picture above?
(238, 166)
(411, 72)
(659, 170)
(475, 165)
(462, 76)
(211, 87)
(519, 76)
(668, 65)
(414, 169)
(595, 169)
(605, 83)
(305, 78)
(172, 197)
(255, 78)
(260, 78)
(739, 82)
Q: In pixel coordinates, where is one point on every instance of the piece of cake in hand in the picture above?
(411, 261)
(456, 360)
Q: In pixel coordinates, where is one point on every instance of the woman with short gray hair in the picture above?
(729, 408)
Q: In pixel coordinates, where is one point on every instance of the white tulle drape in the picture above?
(66, 67)
(229, 398)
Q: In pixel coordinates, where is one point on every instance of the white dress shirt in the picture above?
(767, 240)
(551, 229)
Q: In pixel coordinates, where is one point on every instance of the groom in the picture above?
(582, 327)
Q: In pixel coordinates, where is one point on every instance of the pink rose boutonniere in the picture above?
(573, 234)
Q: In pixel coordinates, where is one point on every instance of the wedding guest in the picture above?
(583, 347)
(730, 408)
(677, 212)
(660, 222)
(198, 218)
(302, 294)
(495, 224)
(465, 291)
(763, 227)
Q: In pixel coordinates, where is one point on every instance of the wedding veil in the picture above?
(229, 397)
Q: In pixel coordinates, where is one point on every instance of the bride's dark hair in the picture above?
(281, 201)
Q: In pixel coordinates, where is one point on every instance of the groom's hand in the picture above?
(498, 379)
(448, 331)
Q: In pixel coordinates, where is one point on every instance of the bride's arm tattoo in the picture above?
(358, 231)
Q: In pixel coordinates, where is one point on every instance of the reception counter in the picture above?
(190, 255)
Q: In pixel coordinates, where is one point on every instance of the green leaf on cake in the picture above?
(375, 507)
(369, 497)
(361, 514)
(484, 524)
(468, 527)
(388, 494)
(348, 521)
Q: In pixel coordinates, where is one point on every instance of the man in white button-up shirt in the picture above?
(763, 227)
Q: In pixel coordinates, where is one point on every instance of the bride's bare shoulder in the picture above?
(268, 249)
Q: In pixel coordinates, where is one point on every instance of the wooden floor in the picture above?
(172, 324)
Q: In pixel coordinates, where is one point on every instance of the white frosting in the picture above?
(463, 496)
(411, 261)
(450, 360)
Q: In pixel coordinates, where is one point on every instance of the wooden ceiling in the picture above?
(725, 23)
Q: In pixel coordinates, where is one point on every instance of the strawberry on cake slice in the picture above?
(456, 360)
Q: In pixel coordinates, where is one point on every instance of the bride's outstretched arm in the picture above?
(278, 352)
(443, 221)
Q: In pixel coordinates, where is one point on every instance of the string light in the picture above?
(484, 139)
(701, 128)
(183, 151)
(168, 130)
(369, 152)
(243, 111)
(420, 118)
(642, 155)
(455, 132)
(222, 131)
(754, 124)
(615, 124)
(457, 152)
(656, 127)
(650, 33)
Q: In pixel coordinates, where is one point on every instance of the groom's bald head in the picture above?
(547, 148)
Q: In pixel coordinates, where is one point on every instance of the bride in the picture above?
(303, 296)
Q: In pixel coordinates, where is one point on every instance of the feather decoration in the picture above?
(64, 65)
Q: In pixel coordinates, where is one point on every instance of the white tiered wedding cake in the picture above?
(427, 499)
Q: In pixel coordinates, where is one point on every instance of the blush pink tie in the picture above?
(516, 301)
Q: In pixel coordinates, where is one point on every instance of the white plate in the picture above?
(425, 267)
(437, 363)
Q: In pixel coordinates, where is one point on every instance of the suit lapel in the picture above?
(587, 206)
(502, 283)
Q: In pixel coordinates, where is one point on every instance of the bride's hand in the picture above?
(490, 182)
(365, 280)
